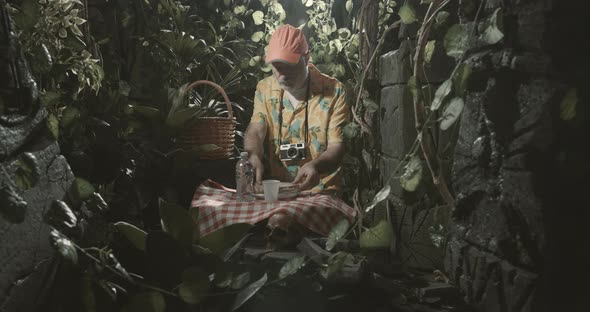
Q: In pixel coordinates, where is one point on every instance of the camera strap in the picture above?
(306, 113)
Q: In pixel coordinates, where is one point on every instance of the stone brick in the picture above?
(394, 66)
(397, 121)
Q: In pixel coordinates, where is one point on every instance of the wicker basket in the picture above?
(210, 137)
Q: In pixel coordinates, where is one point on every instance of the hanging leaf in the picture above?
(307, 3)
(256, 37)
(194, 286)
(83, 188)
(493, 31)
(151, 301)
(429, 50)
(379, 236)
(248, 292)
(460, 79)
(134, 234)
(441, 93)
(177, 222)
(456, 39)
(412, 174)
(567, 107)
(292, 266)
(451, 113)
(407, 13)
(258, 17)
(348, 6)
(53, 126)
(379, 197)
(239, 9)
(336, 233)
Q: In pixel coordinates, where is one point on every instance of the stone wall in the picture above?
(27, 262)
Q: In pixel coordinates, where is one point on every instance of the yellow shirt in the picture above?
(328, 113)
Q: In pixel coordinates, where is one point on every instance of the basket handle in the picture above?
(230, 114)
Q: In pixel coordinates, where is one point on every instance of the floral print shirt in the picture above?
(328, 113)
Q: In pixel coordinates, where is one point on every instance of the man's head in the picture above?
(288, 53)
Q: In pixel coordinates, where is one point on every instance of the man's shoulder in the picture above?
(328, 84)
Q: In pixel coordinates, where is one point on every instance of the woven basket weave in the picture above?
(210, 138)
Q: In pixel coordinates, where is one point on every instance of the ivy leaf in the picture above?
(370, 105)
(194, 286)
(451, 113)
(74, 28)
(344, 33)
(460, 79)
(379, 197)
(62, 33)
(248, 292)
(412, 86)
(25, 177)
(456, 39)
(134, 234)
(379, 236)
(348, 6)
(254, 60)
(239, 9)
(53, 126)
(258, 17)
(257, 36)
(292, 266)
(351, 130)
(177, 222)
(441, 93)
(493, 33)
(336, 262)
(407, 13)
(429, 50)
(223, 238)
(307, 3)
(60, 215)
(151, 301)
(441, 18)
(412, 175)
(336, 233)
(567, 107)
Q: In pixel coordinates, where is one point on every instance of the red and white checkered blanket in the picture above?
(217, 207)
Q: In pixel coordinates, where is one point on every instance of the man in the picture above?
(297, 104)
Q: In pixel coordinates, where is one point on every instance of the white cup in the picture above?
(271, 190)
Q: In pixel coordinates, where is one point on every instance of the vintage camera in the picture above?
(294, 151)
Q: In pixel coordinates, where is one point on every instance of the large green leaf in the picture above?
(222, 239)
(83, 189)
(69, 115)
(412, 175)
(195, 285)
(292, 266)
(177, 222)
(336, 233)
(257, 36)
(134, 234)
(451, 113)
(379, 236)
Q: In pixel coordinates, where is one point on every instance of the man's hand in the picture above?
(257, 166)
(307, 177)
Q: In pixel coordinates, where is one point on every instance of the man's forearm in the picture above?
(254, 140)
(330, 159)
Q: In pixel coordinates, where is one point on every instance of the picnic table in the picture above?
(218, 207)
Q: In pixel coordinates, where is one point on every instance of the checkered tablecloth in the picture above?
(217, 207)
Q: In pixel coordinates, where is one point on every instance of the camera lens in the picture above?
(291, 152)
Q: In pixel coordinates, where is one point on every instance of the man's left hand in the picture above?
(307, 177)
